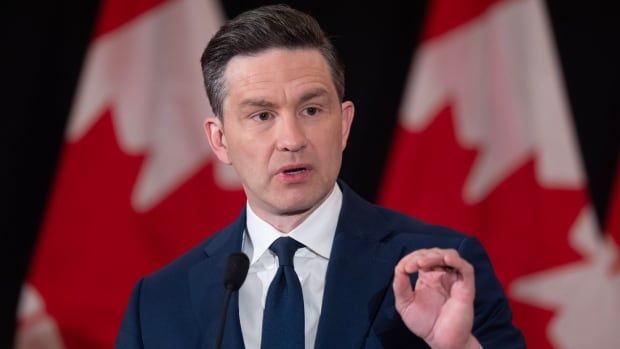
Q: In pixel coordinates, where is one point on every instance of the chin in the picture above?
(297, 205)
(294, 209)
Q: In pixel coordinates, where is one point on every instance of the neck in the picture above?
(283, 222)
(287, 221)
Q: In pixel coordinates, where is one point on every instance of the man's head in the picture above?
(275, 26)
(281, 122)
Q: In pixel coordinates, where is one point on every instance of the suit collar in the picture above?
(360, 218)
(207, 289)
(229, 239)
(316, 232)
(357, 280)
(358, 275)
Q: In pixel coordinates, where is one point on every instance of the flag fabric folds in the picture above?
(485, 144)
(137, 184)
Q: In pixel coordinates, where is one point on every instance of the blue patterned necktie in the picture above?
(283, 319)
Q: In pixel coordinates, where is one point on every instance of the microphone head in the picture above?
(236, 271)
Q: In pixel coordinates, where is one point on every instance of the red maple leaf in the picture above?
(94, 246)
(523, 225)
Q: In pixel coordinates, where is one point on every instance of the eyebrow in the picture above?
(263, 103)
(318, 92)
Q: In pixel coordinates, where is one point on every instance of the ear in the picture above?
(214, 129)
(348, 111)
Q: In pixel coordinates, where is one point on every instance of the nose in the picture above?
(290, 134)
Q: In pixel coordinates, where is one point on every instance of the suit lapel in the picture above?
(207, 289)
(358, 276)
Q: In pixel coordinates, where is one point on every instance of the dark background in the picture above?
(44, 44)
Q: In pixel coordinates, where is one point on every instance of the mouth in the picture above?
(295, 170)
(294, 173)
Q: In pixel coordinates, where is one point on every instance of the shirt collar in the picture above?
(316, 232)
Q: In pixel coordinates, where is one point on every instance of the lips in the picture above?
(294, 173)
(293, 169)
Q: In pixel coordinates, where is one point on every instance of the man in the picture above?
(276, 88)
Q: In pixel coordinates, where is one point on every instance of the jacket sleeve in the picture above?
(493, 318)
(130, 334)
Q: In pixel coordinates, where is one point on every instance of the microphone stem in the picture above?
(220, 332)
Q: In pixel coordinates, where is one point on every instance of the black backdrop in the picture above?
(44, 46)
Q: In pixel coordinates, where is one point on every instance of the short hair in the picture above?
(254, 31)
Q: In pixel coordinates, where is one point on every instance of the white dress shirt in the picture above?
(316, 232)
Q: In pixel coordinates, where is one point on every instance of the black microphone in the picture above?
(234, 275)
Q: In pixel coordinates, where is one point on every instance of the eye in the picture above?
(311, 111)
(262, 116)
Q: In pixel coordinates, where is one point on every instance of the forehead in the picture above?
(273, 69)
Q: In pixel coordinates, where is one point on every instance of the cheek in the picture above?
(334, 134)
(250, 155)
(329, 145)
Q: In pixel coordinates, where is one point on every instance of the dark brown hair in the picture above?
(273, 26)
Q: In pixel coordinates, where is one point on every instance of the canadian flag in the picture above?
(137, 184)
(485, 144)
(613, 215)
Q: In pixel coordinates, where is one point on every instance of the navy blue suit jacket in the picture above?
(179, 305)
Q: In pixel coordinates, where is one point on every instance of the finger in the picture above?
(435, 257)
(432, 259)
(466, 271)
(403, 292)
(446, 258)
(426, 259)
(409, 263)
(461, 283)
(462, 286)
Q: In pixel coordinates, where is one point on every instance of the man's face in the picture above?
(283, 130)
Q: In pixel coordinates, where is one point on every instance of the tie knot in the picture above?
(285, 248)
